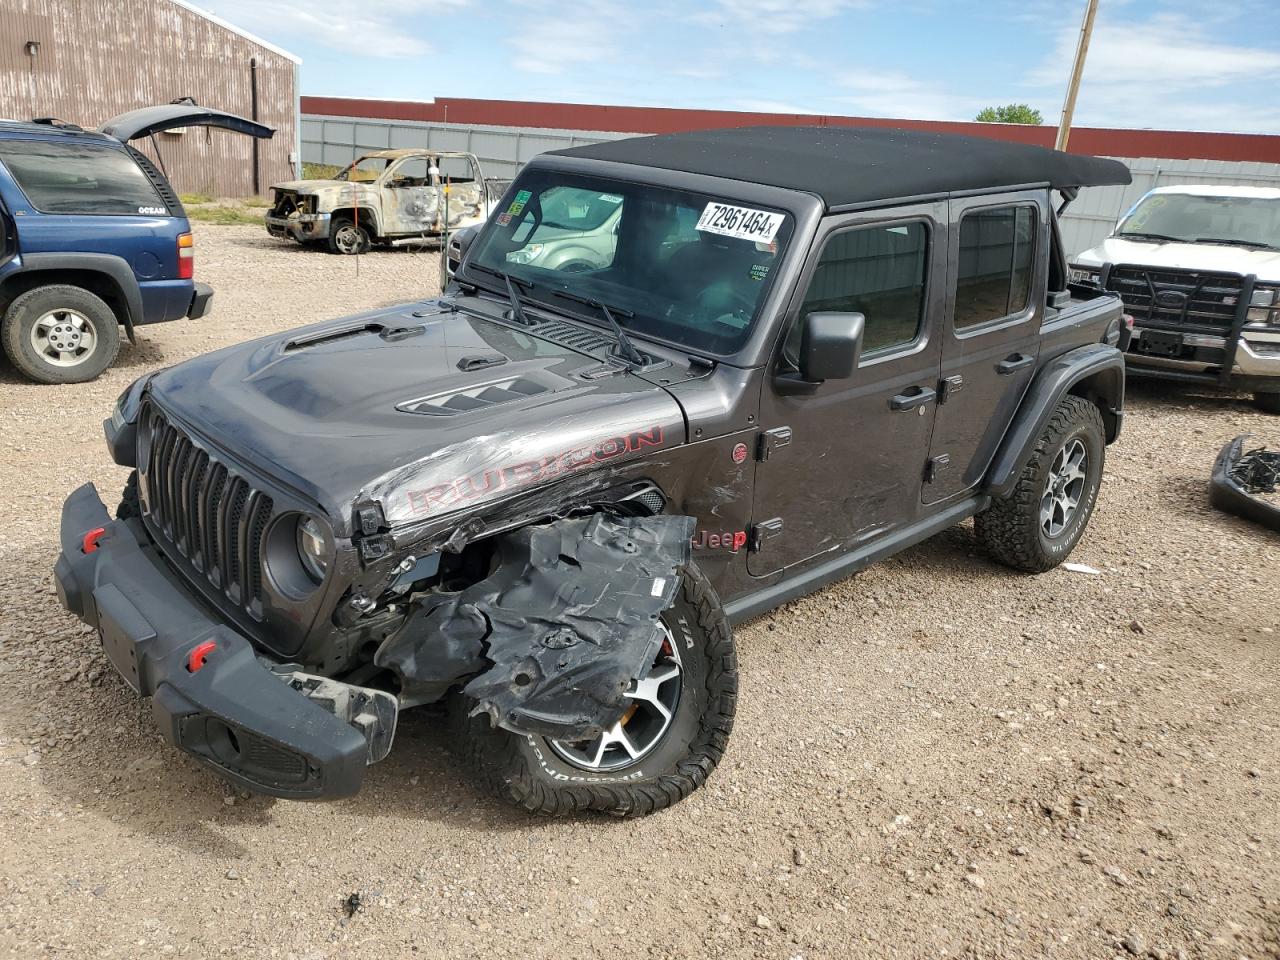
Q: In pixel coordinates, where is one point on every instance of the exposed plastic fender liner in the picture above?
(116, 268)
(554, 637)
(143, 122)
(1227, 492)
(1098, 360)
(815, 577)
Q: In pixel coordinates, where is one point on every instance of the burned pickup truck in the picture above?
(544, 496)
(382, 197)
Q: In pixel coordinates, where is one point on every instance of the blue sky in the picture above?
(1179, 64)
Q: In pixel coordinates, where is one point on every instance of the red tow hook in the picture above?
(199, 654)
(89, 542)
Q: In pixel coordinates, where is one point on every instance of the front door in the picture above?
(843, 464)
(410, 197)
(999, 253)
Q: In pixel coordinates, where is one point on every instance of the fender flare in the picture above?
(116, 268)
(1094, 371)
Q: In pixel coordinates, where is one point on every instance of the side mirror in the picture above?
(830, 346)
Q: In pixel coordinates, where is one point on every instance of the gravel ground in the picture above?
(934, 758)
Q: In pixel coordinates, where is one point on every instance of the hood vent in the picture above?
(573, 336)
(477, 397)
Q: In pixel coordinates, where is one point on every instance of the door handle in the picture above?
(915, 397)
(1014, 363)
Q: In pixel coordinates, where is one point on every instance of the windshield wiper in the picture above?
(628, 352)
(1153, 236)
(1251, 244)
(517, 309)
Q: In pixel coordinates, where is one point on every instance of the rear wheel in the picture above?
(1267, 402)
(662, 749)
(347, 237)
(1039, 524)
(60, 334)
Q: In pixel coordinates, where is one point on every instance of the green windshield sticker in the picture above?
(517, 205)
(759, 271)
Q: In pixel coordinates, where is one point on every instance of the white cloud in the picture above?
(899, 95)
(1168, 72)
(551, 40)
(774, 16)
(373, 28)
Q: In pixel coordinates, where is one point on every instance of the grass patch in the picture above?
(225, 216)
(320, 171)
(195, 198)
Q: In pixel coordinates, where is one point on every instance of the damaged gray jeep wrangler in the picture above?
(543, 497)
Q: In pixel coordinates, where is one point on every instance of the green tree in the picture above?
(1010, 113)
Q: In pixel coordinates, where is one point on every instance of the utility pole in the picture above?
(1077, 70)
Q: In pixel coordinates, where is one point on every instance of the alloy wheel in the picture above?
(1064, 488)
(64, 338)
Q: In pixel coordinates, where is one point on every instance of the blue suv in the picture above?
(93, 238)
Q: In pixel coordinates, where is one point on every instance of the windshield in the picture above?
(1186, 218)
(683, 267)
(364, 170)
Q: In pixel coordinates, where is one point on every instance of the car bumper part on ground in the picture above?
(1227, 494)
(212, 697)
(201, 300)
(303, 227)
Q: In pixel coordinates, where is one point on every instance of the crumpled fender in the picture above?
(554, 637)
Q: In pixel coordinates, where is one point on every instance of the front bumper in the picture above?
(303, 227)
(1255, 365)
(233, 714)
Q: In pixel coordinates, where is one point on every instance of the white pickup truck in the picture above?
(384, 196)
(1198, 268)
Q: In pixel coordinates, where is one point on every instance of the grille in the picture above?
(211, 518)
(1185, 299)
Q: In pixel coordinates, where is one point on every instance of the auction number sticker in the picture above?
(742, 223)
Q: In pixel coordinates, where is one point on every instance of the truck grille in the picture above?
(212, 518)
(1184, 299)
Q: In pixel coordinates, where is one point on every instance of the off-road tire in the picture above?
(1267, 402)
(130, 506)
(1010, 528)
(23, 314)
(526, 771)
(339, 224)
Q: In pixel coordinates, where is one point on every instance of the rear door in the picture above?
(999, 258)
(841, 465)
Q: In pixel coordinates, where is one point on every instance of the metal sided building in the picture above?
(85, 61)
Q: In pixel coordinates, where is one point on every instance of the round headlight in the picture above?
(313, 548)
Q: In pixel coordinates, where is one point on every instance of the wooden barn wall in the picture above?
(99, 58)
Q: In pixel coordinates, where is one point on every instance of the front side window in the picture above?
(878, 272)
(364, 170)
(80, 178)
(997, 251)
(684, 267)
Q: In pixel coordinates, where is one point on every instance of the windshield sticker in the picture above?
(504, 219)
(759, 271)
(610, 198)
(741, 223)
(517, 205)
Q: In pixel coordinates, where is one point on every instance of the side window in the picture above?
(411, 173)
(80, 178)
(997, 253)
(877, 271)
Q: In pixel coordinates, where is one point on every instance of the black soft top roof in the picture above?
(846, 165)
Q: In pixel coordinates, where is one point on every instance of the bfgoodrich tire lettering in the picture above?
(528, 771)
(1012, 528)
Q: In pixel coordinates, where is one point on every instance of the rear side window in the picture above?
(80, 178)
(997, 250)
(876, 271)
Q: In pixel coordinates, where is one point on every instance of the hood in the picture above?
(1211, 257)
(417, 407)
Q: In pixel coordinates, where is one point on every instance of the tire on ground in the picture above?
(1011, 529)
(21, 318)
(339, 230)
(526, 771)
(1267, 402)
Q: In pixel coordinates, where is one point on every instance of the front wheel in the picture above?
(1267, 402)
(662, 749)
(1039, 524)
(347, 237)
(60, 334)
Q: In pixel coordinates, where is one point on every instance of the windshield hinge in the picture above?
(771, 440)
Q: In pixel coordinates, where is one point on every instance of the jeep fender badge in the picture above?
(740, 453)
